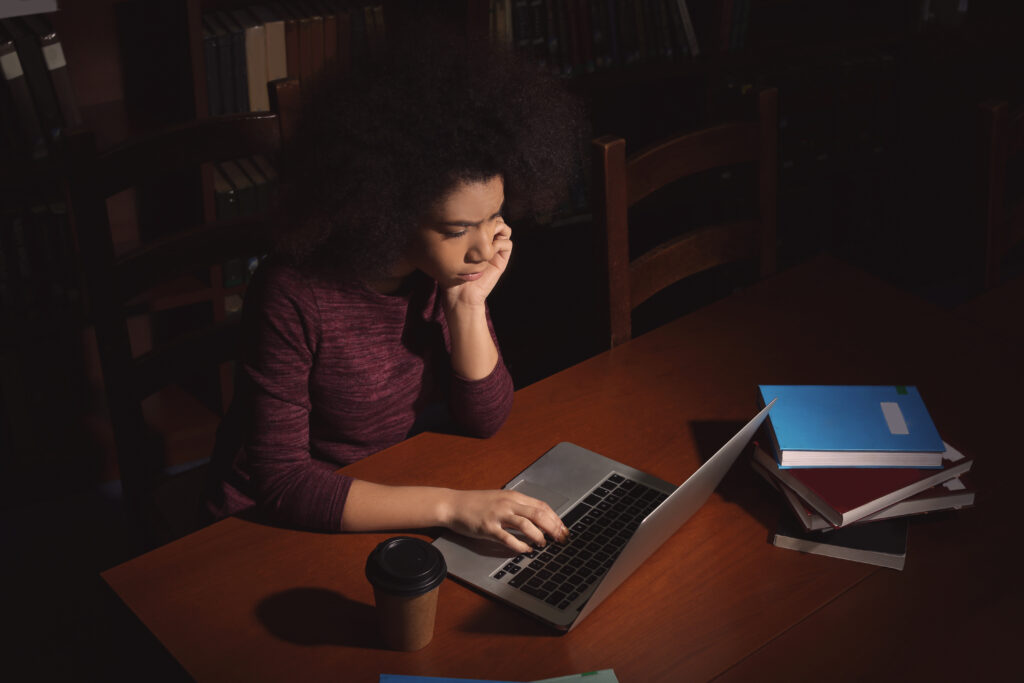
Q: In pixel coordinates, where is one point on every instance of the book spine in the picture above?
(641, 20)
(241, 73)
(344, 40)
(598, 34)
(315, 35)
(564, 38)
(678, 32)
(38, 78)
(360, 40)
(214, 97)
(586, 35)
(626, 28)
(255, 60)
(330, 35)
(538, 32)
(614, 40)
(664, 30)
(691, 34)
(521, 26)
(225, 68)
(53, 56)
(554, 60)
(32, 132)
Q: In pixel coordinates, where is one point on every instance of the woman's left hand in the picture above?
(475, 292)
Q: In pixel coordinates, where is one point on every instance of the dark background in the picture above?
(878, 147)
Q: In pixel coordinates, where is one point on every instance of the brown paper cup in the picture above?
(406, 623)
(406, 573)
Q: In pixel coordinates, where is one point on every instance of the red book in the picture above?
(846, 494)
(952, 494)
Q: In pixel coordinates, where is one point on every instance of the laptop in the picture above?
(617, 515)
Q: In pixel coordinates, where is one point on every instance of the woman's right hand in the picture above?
(492, 514)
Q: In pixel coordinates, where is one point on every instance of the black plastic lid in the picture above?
(404, 565)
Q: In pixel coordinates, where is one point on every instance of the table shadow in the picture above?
(742, 485)
(498, 619)
(318, 616)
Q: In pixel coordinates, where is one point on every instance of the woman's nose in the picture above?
(482, 249)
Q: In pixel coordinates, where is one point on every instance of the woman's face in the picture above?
(457, 239)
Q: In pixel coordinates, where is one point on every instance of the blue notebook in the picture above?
(851, 426)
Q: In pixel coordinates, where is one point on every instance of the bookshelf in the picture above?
(837, 63)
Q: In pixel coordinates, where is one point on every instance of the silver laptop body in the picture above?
(568, 476)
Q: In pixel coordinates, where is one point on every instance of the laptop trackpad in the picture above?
(529, 488)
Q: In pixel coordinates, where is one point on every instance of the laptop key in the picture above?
(574, 514)
(499, 574)
(555, 598)
(535, 592)
(521, 578)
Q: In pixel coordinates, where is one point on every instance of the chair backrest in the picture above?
(161, 274)
(621, 181)
(1001, 145)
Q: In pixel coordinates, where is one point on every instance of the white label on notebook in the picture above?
(11, 66)
(54, 56)
(894, 418)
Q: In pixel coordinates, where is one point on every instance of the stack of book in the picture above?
(852, 464)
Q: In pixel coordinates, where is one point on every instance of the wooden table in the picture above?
(243, 601)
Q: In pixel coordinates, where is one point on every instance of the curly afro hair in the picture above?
(375, 150)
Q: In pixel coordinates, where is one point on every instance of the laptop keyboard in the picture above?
(600, 526)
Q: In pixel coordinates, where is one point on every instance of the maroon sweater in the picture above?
(332, 373)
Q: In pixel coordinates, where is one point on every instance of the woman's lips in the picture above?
(469, 277)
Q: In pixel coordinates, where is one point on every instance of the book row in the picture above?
(245, 49)
(37, 101)
(574, 37)
(38, 266)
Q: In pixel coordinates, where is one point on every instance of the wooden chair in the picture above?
(621, 181)
(159, 275)
(1001, 143)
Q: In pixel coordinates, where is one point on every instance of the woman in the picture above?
(369, 320)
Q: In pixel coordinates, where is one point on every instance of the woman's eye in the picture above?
(452, 235)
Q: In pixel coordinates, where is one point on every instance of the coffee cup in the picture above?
(405, 573)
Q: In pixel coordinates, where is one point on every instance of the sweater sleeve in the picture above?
(283, 333)
(481, 406)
